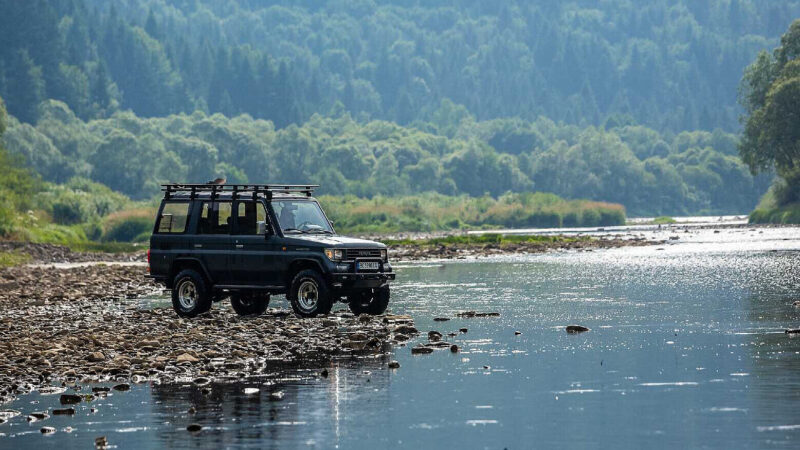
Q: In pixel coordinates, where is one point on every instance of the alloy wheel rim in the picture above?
(187, 295)
(308, 295)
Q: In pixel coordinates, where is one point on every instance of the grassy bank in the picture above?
(770, 211)
(9, 259)
(435, 212)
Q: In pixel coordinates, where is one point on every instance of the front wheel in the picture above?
(372, 301)
(249, 303)
(309, 295)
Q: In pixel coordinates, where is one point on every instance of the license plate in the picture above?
(368, 265)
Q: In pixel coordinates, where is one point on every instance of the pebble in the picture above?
(100, 442)
(35, 416)
(69, 399)
(434, 336)
(572, 329)
(88, 329)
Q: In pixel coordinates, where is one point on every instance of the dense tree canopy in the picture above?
(771, 97)
(646, 171)
(672, 64)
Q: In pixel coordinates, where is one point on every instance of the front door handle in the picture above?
(198, 245)
(239, 245)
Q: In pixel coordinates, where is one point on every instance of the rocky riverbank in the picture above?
(51, 253)
(422, 251)
(68, 326)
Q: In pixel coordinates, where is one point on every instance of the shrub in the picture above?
(129, 225)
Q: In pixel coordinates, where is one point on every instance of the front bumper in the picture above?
(360, 280)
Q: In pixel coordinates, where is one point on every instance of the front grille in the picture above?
(353, 253)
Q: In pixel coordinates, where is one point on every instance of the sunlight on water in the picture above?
(686, 348)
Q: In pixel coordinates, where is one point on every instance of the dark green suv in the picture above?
(247, 242)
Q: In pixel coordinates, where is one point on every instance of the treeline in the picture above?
(674, 65)
(648, 172)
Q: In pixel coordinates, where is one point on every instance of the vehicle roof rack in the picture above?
(237, 189)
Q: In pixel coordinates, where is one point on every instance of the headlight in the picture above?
(383, 254)
(334, 254)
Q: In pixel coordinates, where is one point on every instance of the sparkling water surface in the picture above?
(686, 349)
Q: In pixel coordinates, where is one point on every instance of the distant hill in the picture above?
(671, 65)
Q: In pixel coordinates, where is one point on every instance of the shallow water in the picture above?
(686, 349)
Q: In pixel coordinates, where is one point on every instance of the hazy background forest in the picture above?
(626, 102)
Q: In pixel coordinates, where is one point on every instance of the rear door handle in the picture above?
(198, 245)
(239, 245)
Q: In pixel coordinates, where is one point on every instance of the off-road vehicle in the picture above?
(248, 242)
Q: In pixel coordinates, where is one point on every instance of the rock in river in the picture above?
(434, 336)
(394, 365)
(47, 430)
(572, 329)
(70, 399)
(64, 412)
(421, 350)
(96, 357)
(194, 427)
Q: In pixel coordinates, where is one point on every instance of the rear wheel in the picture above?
(309, 295)
(371, 301)
(190, 295)
(249, 303)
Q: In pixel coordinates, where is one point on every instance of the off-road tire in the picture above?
(190, 294)
(249, 303)
(372, 301)
(305, 285)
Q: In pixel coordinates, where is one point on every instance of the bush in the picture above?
(127, 226)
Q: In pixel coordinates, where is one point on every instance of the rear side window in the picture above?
(215, 218)
(173, 218)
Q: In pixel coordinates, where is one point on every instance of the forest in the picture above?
(417, 107)
(674, 65)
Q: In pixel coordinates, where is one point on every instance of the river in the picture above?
(687, 349)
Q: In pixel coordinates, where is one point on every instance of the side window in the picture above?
(173, 218)
(215, 218)
(248, 214)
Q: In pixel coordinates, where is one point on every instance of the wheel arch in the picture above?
(298, 266)
(187, 263)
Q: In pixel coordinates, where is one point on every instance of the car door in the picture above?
(255, 252)
(213, 242)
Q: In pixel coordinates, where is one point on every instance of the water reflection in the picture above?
(305, 407)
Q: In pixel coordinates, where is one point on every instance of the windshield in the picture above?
(301, 216)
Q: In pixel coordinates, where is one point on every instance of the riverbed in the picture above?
(686, 348)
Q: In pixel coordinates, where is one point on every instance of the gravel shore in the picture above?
(68, 326)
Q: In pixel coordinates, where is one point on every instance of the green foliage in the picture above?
(692, 172)
(133, 225)
(663, 220)
(670, 64)
(770, 94)
(430, 212)
(9, 259)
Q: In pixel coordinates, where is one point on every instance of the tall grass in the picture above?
(431, 212)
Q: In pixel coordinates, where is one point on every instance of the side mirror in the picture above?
(261, 227)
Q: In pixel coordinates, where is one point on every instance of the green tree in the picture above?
(770, 94)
